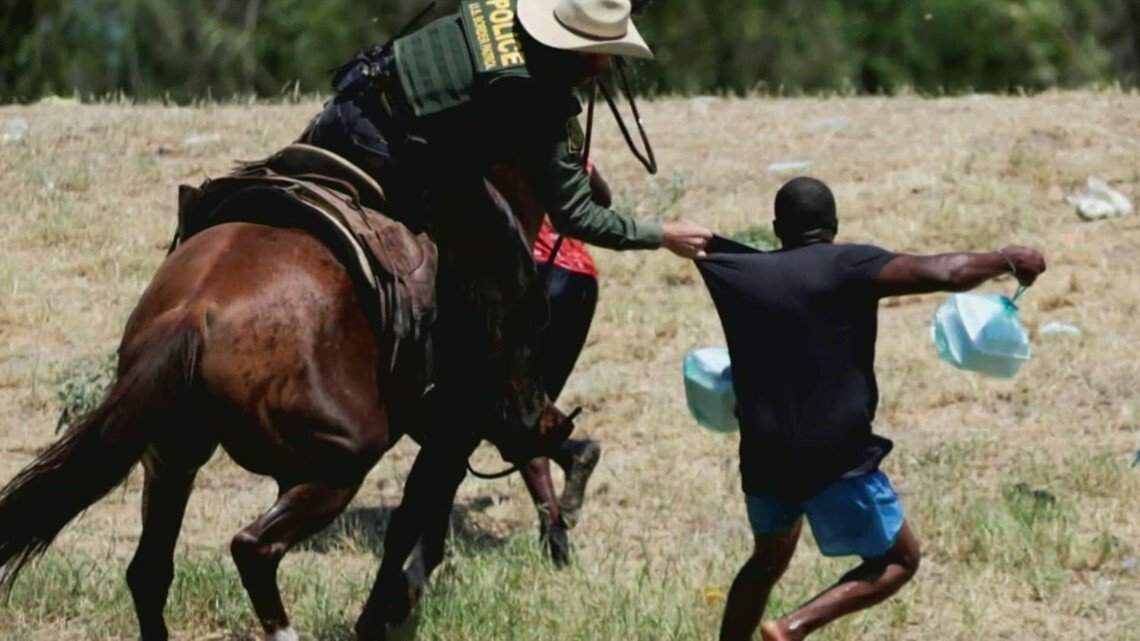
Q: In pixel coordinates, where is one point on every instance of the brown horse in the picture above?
(252, 337)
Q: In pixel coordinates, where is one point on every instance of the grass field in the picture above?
(1022, 492)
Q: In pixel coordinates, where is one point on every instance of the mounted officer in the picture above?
(493, 83)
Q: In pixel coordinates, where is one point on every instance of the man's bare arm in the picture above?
(910, 274)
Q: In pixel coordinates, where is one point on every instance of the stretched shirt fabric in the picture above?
(801, 327)
(478, 98)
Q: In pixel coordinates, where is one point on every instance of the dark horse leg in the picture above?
(423, 516)
(165, 493)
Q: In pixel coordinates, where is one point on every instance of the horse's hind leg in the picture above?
(300, 511)
(152, 570)
(166, 489)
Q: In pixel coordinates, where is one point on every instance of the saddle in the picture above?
(306, 187)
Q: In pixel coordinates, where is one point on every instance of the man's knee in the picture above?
(906, 552)
(905, 556)
(910, 562)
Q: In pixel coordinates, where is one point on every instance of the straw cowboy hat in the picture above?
(589, 26)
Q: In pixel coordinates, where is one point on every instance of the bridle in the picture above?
(648, 159)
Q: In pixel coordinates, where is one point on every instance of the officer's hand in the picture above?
(687, 240)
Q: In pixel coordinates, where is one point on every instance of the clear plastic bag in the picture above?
(708, 389)
(981, 333)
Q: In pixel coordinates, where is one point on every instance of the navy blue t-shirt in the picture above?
(801, 327)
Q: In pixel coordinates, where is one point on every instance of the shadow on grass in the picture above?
(364, 528)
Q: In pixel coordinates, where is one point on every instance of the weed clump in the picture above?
(81, 385)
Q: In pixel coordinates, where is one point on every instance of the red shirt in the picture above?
(572, 255)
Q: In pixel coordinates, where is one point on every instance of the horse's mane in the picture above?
(489, 279)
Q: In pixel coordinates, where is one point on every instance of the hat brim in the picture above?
(537, 17)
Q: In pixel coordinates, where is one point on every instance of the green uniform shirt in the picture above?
(479, 100)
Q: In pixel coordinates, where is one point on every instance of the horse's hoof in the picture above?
(399, 607)
(556, 541)
(283, 634)
(582, 464)
(367, 632)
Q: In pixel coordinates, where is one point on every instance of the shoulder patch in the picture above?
(490, 26)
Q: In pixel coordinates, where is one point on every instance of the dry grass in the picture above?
(87, 204)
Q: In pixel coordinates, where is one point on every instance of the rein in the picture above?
(497, 475)
(648, 159)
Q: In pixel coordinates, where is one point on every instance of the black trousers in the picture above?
(573, 297)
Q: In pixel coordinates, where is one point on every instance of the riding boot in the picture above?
(578, 460)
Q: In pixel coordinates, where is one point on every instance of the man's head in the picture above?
(805, 213)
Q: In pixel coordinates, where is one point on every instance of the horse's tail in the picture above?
(97, 453)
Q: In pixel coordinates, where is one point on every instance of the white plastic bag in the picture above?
(1097, 200)
(708, 389)
(981, 334)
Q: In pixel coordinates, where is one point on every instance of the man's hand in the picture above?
(687, 240)
(1028, 263)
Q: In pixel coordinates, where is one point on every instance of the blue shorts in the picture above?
(858, 516)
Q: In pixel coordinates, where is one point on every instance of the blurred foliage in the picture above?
(187, 49)
(81, 386)
(761, 237)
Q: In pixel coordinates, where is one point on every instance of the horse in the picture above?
(255, 338)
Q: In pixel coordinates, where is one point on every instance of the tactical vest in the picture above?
(446, 63)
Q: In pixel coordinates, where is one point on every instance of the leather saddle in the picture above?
(302, 186)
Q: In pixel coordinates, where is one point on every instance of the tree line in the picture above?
(188, 49)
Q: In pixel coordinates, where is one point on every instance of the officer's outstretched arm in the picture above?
(558, 177)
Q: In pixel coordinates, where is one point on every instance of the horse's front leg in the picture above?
(423, 514)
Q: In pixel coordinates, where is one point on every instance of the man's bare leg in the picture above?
(867, 585)
(552, 531)
(749, 593)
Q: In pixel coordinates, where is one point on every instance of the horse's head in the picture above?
(519, 446)
(492, 311)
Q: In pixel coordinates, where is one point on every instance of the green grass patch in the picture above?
(508, 591)
(207, 598)
(81, 385)
(515, 594)
(1027, 531)
(759, 236)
